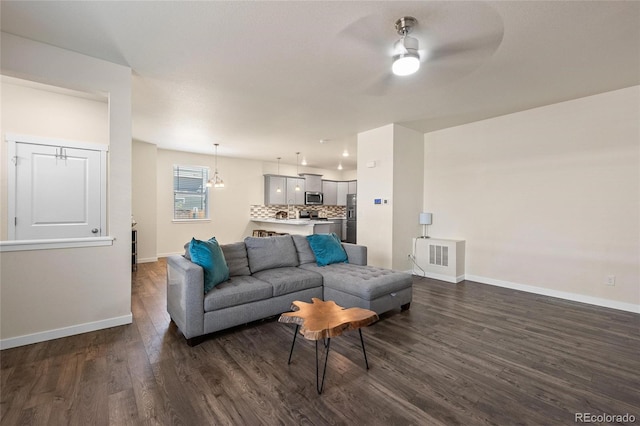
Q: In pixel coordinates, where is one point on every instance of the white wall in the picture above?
(54, 293)
(396, 178)
(375, 222)
(408, 188)
(229, 206)
(145, 198)
(349, 175)
(547, 198)
(159, 235)
(38, 109)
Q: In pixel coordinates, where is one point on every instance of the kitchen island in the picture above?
(295, 226)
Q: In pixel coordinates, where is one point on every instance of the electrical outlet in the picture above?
(610, 280)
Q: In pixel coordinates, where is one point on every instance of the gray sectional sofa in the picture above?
(266, 275)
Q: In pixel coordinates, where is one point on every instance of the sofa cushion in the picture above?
(289, 279)
(305, 254)
(209, 256)
(327, 249)
(237, 291)
(270, 252)
(237, 260)
(365, 282)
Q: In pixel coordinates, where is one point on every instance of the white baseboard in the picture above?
(147, 260)
(575, 297)
(440, 277)
(43, 336)
(180, 253)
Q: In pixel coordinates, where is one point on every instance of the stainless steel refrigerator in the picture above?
(352, 218)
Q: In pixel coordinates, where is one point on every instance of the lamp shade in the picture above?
(425, 218)
(405, 63)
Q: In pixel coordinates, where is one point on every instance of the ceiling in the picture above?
(267, 79)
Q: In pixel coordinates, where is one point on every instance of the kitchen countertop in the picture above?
(297, 222)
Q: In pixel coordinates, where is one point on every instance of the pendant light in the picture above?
(278, 189)
(216, 180)
(297, 170)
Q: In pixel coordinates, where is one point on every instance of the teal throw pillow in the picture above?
(209, 256)
(327, 248)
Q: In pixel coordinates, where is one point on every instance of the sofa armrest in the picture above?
(185, 295)
(356, 254)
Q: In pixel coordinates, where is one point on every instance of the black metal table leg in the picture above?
(363, 351)
(320, 386)
(295, 334)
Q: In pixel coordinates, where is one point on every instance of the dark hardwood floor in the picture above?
(466, 354)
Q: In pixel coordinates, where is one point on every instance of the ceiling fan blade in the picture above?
(368, 31)
(380, 86)
(476, 46)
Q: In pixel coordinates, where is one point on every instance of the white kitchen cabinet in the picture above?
(329, 189)
(337, 228)
(271, 185)
(57, 189)
(353, 187)
(342, 189)
(293, 196)
(313, 183)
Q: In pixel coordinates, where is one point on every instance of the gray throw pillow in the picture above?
(305, 254)
(237, 260)
(186, 251)
(270, 252)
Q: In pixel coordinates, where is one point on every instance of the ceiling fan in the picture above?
(435, 38)
(406, 59)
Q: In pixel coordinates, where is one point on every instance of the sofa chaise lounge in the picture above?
(266, 275)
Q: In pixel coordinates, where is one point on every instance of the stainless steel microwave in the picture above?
(312, 198)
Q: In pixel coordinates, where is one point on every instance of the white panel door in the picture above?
(58, 192)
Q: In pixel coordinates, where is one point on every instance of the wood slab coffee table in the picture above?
(321, 320)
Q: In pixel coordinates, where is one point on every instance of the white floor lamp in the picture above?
(425, 219)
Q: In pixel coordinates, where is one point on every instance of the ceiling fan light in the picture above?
(406, 44)
(405, 63)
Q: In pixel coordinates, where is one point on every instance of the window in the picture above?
(190, 192)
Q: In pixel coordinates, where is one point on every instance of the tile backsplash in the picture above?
(269, 212)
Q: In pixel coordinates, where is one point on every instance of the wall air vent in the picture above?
(438, 255)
